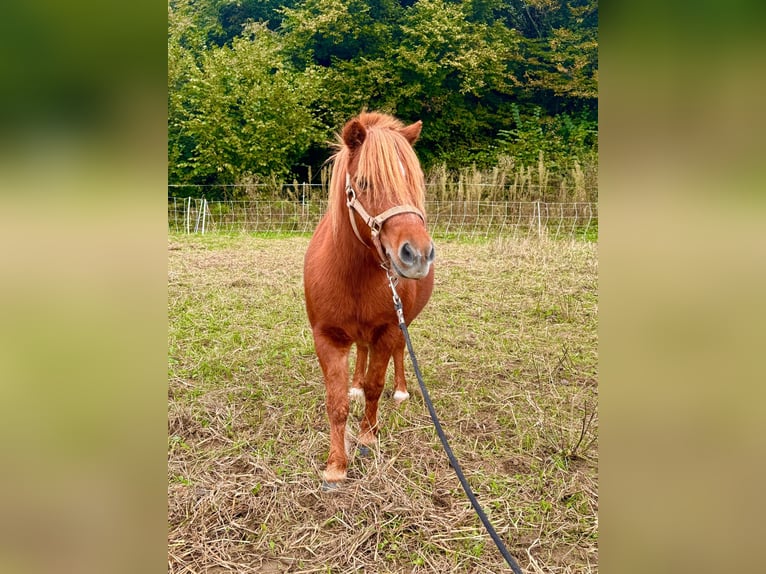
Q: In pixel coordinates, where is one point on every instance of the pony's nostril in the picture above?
(406, 253)
(432, 253)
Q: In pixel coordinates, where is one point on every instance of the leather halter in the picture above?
(374, 223)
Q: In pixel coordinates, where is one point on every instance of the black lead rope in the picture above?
(392, 280)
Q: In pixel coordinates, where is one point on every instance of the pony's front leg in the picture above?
(360, 368)
(333, 358)
(400, 384)
(373, 387)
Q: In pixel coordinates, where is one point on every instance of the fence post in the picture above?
(204, 209)
(539, 225)
(188, 214)
(199, 215)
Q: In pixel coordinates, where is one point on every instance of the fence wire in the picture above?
(461, 219)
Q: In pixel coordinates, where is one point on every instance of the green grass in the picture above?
(508, 349)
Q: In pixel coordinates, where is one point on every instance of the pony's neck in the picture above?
(347, 239)
(352, 255)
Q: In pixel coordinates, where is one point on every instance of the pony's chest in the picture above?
(363, 308)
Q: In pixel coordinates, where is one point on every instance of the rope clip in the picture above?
(393, 281)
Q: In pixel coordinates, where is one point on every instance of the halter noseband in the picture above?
(374, 223)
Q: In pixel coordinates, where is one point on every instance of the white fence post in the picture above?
(188, 215)
(539, 225)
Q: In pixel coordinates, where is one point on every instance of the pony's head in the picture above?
(375, 152)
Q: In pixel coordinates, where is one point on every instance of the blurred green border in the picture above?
(682, 280)
(83, 335)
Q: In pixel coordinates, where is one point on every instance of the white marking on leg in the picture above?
(332, 476)
(400, 396)
(356, 393)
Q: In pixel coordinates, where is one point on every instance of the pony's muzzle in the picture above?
(413, 262)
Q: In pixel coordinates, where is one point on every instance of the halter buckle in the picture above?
(375, 226)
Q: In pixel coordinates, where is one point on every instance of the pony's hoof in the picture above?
(401, 396)
(356, 393)
(364, 451)
(330, 486)
(334, 475)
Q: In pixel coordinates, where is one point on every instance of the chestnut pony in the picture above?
(375, 222)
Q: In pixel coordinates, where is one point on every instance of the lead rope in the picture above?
(392, 281)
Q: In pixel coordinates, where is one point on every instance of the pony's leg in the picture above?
(360, 368)
(400, 392)
(373, 387)
(333, 358)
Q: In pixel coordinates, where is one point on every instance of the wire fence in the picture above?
(451, 218)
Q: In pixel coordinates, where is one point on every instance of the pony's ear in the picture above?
(353, 134)
(412, 132)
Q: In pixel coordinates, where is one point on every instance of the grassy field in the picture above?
(508, 349)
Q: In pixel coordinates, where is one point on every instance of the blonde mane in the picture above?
(388, 171)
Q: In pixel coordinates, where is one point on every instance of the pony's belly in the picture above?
(352, 330)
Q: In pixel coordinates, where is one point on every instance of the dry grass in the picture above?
(508, 348)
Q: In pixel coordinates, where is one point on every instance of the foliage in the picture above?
(256, 89)
(241, 112)
(561, 138)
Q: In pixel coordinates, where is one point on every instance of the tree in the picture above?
(243, 113)
(561, 52)
(487, 77)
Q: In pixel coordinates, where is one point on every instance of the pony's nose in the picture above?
(413, 259)
(408, 254)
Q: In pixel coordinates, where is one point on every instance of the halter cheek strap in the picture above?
(374, 223)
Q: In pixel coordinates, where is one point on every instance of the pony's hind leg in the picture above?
(360, 369)
(400, 388)
(333, 358)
